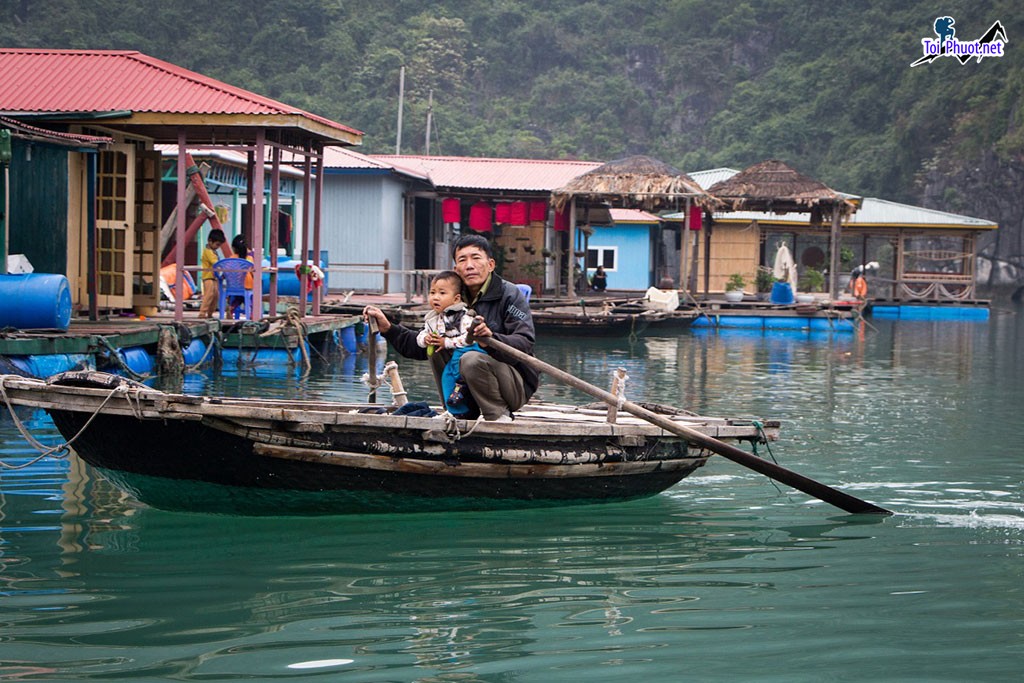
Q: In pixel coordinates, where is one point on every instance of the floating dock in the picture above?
(132, 345)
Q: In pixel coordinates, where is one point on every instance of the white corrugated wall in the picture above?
(362, 223)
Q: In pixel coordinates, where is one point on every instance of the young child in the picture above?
(210, 289)
(445, 327)
(241, 250)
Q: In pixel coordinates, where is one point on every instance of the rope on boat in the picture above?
(293, 318)
(63, 450)
(451, 426)
(385, 378)
(762, 437)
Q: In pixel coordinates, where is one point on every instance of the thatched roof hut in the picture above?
(636, 182)
(772, 186)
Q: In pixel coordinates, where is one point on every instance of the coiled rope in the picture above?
(292, 317)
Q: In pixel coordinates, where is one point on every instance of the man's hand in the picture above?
(480, 329)
(383, 324)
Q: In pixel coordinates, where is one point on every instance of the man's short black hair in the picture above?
(216, 235)
(472, 240)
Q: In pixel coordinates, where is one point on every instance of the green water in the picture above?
(723, 577)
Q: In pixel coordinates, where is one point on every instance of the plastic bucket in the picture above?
(33, 301)
(782, 293)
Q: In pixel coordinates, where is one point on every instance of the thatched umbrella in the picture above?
(636, 182)
(774, 187)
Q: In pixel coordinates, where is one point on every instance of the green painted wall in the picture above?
(39, 205)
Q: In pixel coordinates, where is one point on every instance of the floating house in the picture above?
(630, 248)
(416, 205)
(104, 194)
(923, 255)
(381, 226)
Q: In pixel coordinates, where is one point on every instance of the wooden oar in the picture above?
(809, 486)
(371, 356)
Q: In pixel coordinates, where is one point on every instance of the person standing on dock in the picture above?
(209, 257)
(498, 386)
(241, 250)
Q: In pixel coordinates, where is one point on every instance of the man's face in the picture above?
(473, 266)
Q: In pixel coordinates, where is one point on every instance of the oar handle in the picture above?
(823, 492)
(371, 357)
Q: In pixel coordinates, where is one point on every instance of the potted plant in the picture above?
(734, 287)
(812, 280)
(764, 280)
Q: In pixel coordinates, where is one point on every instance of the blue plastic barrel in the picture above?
(136, 358)
(34, 301)
(782, 293)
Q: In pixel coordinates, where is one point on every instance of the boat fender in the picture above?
(93, 380)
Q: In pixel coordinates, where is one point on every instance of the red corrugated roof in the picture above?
(65, 81)
(469, 173)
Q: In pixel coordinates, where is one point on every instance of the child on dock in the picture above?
(241, 250)
(446, 327)
(210, 290)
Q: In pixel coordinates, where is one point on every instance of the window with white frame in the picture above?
(603, 256)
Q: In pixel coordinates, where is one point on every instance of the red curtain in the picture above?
(538, 212)
(451, 210)
(562, 219)
(696, 217)
(480, 217)
(517, 213)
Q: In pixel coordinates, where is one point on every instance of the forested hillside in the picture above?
(827, 87)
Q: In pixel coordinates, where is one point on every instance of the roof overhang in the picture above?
(293, 130)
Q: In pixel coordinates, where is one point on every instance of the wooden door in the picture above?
(115, 216)
(146, 267)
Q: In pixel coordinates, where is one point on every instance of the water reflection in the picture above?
(97, 586)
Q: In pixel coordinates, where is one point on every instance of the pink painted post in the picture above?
(318, 292)
(256, 213)
(304, 256)
(275, 179)
(179, 238)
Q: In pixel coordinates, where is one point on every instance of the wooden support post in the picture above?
(307, 172)
(319, 292)
(273, 238)
(179, 236)
(256, 215)
(834, 242)
(398, 393)
(619, 378)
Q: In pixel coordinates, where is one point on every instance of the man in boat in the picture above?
(497, 386)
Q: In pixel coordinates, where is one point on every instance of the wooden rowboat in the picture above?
(259, 456)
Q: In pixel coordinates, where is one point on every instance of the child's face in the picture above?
(443, 293)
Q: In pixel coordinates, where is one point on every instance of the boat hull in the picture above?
(279, 456)
(187, 465)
